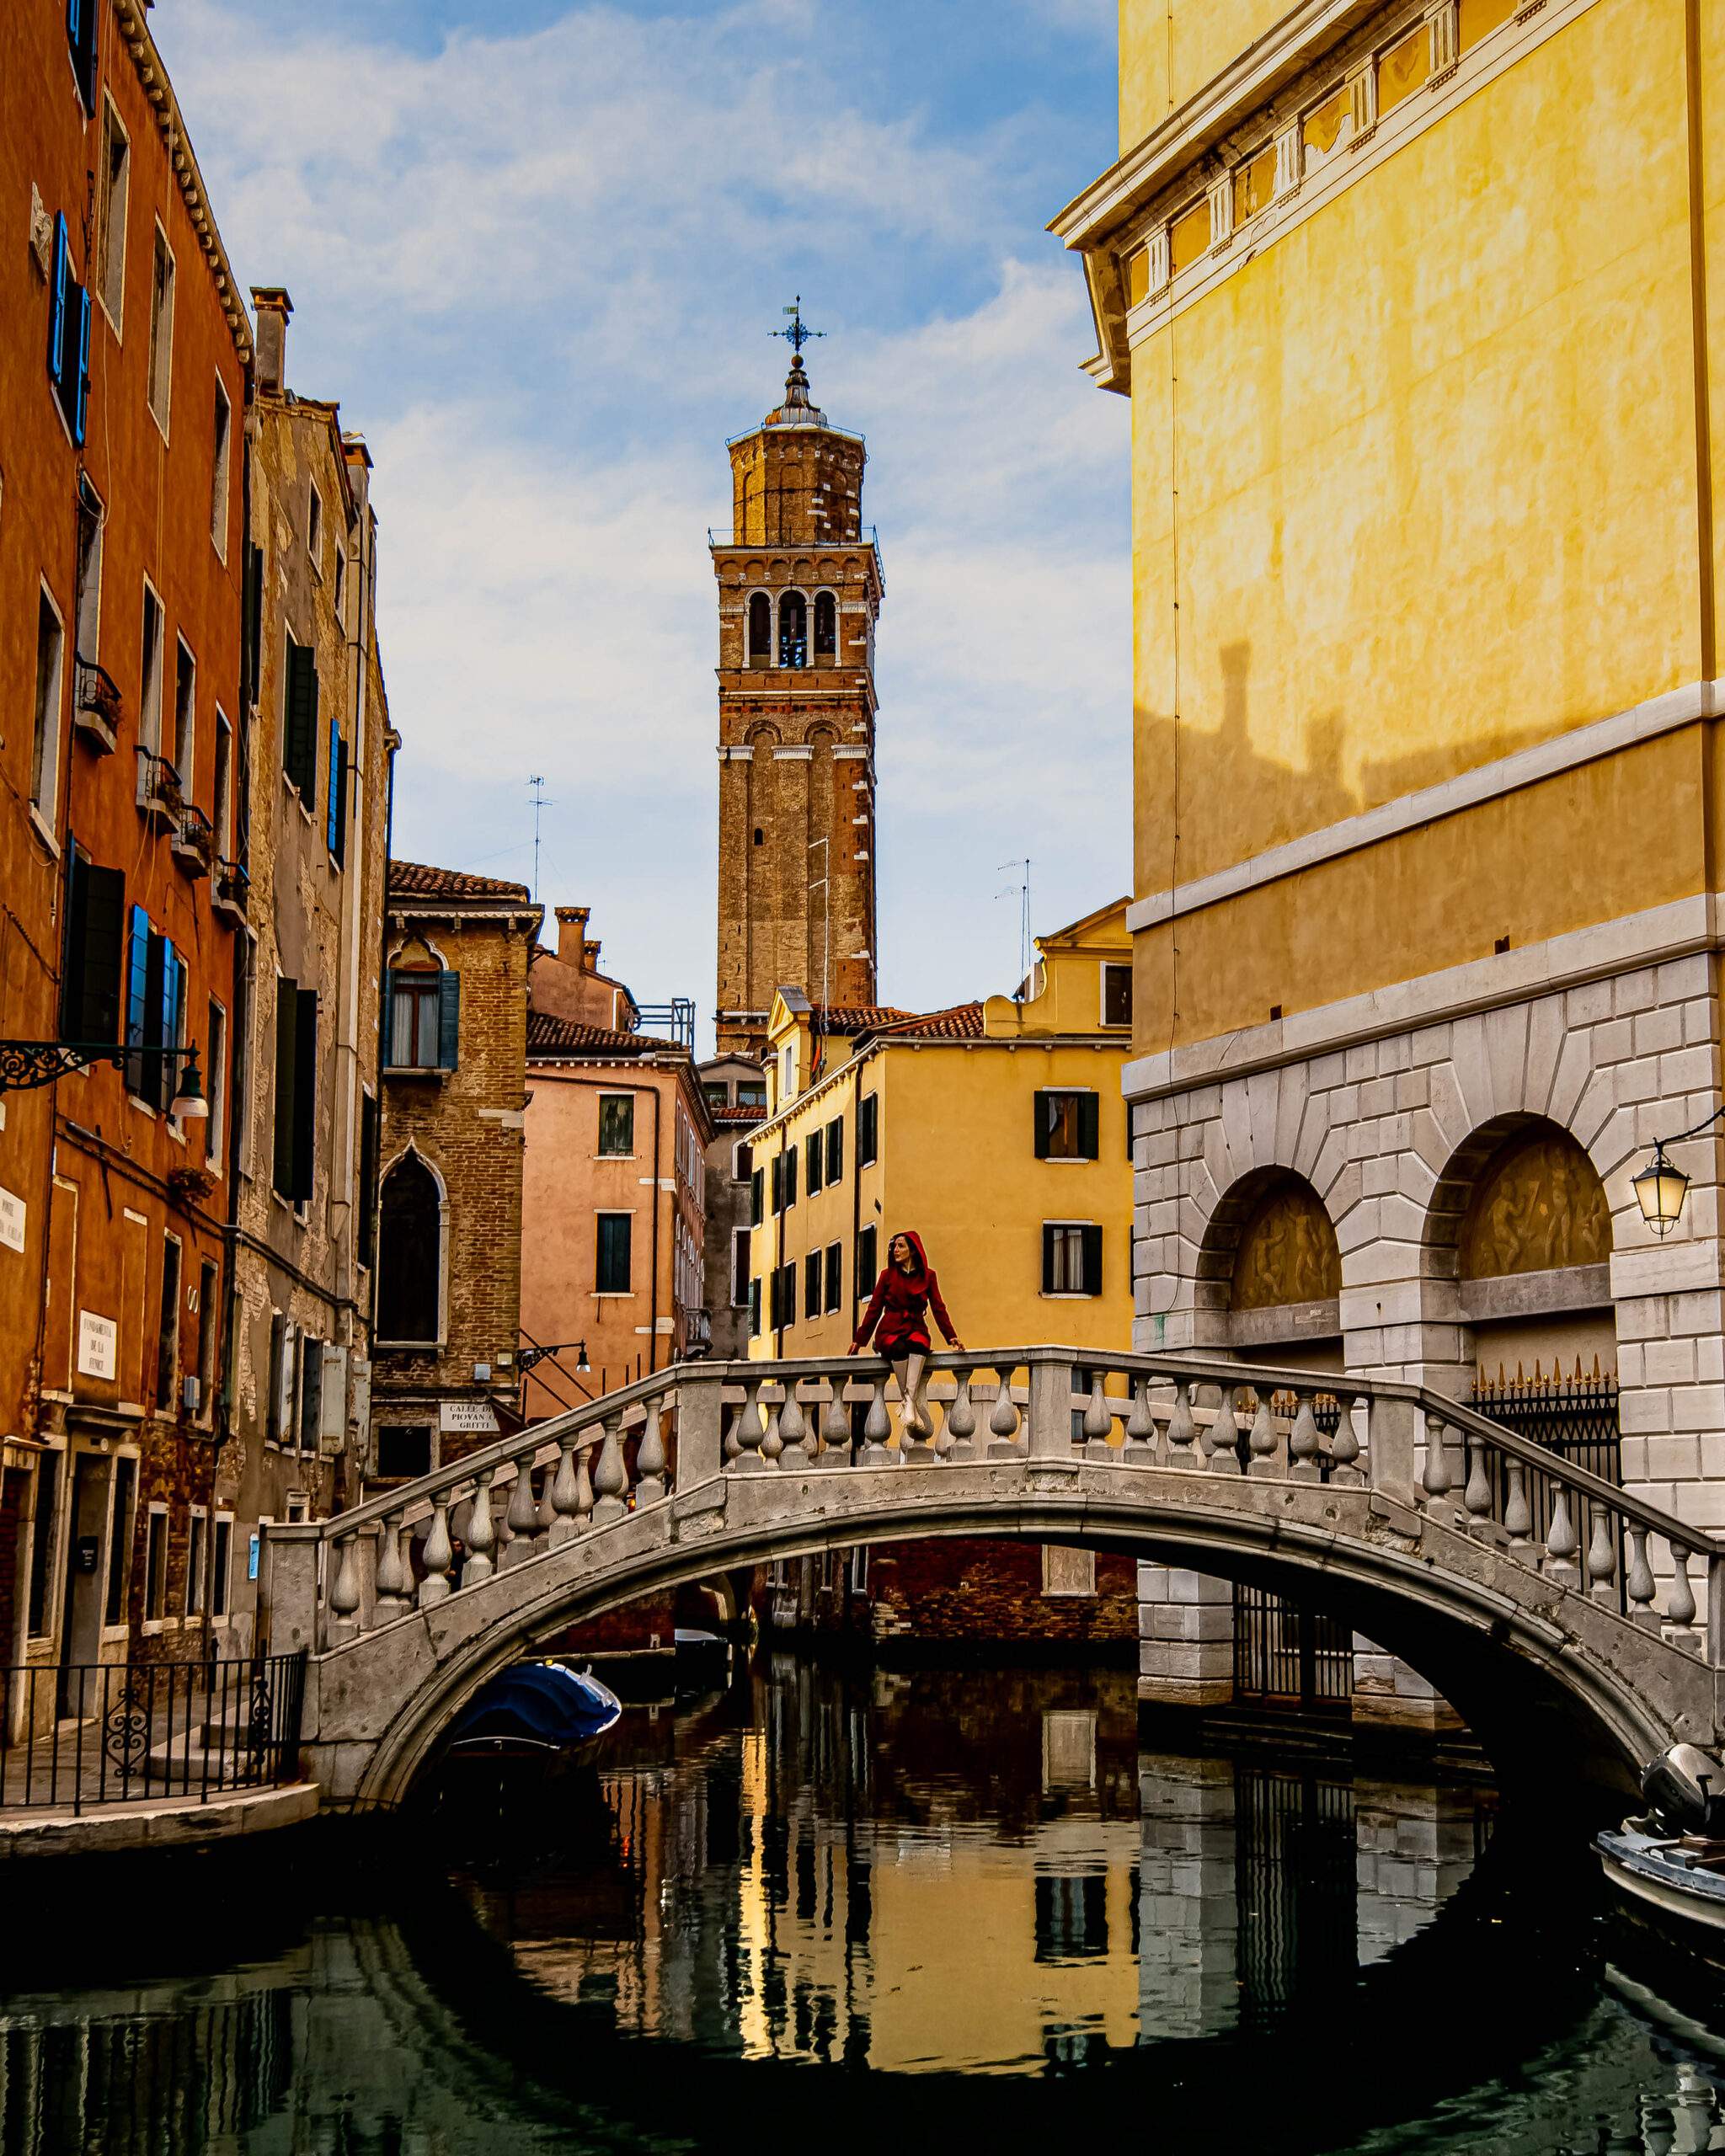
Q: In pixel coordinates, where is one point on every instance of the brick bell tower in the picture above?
(799, 588)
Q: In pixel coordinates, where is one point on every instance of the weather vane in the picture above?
(799, 333)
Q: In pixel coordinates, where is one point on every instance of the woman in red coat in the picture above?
(897, 1317)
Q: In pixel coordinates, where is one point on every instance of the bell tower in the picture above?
(800, 589)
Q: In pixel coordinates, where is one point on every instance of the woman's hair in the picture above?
(919, 1256)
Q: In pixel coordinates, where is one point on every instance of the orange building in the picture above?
(123, 379)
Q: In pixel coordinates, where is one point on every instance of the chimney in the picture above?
(272, 306)
(572, 937)
(589, 957)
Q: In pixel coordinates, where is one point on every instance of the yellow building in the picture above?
(1416, 305)
(996, 1130)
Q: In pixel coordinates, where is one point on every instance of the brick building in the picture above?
(123, 385)
(308, 881)
(446, 1319)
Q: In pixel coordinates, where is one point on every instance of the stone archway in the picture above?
(1270, 1272)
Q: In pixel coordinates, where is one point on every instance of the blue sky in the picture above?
(536, 250)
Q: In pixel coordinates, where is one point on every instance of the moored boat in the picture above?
(535, 1708)
(1670, 1863)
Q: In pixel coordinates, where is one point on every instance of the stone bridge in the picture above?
(1579, 1629)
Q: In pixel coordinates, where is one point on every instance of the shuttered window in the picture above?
(868, 1265)
(790, 1175)
(616, 1236)
(83, 21)
(756, 1207)
(155, 1011)
(835, 1275)
(295, 1089)
(811, 1284)
(836, 1149)
(95, 932)
(754, 1310)
(335, 829)
(1072, 1257)
(814, 1156)
(299, 733)
(1065, 1124)
(867, 1129)
(424, 1020)
(69, 334)
(368, 1176)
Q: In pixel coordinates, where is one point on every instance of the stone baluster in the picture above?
(1304, 1444)
(1518, 1513)
(1602, 1556)
(748, 1429)
(1477, 1495)
(772, 1441)
(522, 1517)
(1264, 1441)
(1561, 1541)
(733, 1444)
(1679, 1600)
(650, 1459)
(611, 1478)
(835, 1427)
(565, 1491)
(877, 1427)
(793, 1429)
(345, 1588)
(957, 1432)
(1344, 1445)
(1141, 1424)
(437, 1556)
(392, 1580)
(1436, 1479)
(917, 1451)
(1221, 1441)
(584, 1488)
(1182, 1428)
(1003, 1422)
(482, 1532)
(1098, 1421)
(1639, 1584)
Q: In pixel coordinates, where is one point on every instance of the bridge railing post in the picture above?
(1714, 1612)
(287, 1599)
(1050, 1432)
(700, 1427)
(1392, 1439)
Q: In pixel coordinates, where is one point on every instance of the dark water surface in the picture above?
(868, 1912)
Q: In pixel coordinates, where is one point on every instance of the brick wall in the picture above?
(982, 1591)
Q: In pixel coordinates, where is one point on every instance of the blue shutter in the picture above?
(332, 823)
(56, 308)
(81, 407)
(449, 1007)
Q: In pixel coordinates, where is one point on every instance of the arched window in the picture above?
(409, 1252)
(826, 625)
(793, 630)
(760, 630)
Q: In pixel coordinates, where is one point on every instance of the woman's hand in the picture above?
(854, 1349)
(957, 1346)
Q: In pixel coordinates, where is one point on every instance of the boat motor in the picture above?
(1684, 1790)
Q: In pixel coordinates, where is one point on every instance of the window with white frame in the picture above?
(114, 180)
(156, 1565)
(314, 527)
(1116, 993)
(197, 1558)
(150, 672)
(51, 674)
(185, 711)
(219, 473)
(220, 1565)
(161, 372)
(1072, 1257)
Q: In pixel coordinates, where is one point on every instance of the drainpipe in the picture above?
(653, 1309)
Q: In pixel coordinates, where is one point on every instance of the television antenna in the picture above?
(1019, 888)
(536, 786)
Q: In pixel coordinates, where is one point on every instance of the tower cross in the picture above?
(799, 333)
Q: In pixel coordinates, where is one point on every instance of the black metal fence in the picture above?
(1286, 1653)
(83, 1734)
(1576, 1418)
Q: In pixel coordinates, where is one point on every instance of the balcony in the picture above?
(231, 892)
(159, 795)
(193, 842)
(97, 708)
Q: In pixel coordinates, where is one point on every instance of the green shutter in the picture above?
(449, 1020)
(305, 1093)
(286, 1029)
(1092, 1261)
(299, 750)
(1089, 1148)
(1048, 1259)
(1039, 1105)
(104, 952)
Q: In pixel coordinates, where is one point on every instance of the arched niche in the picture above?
(1270, 1272)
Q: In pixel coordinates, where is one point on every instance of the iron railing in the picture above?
(1575, 1418)
(74, 1735)
(673, 1020)
(1287, 1652)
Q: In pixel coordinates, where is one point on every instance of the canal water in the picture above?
(888, 1912)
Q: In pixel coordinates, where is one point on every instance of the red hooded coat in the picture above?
(899, 1302)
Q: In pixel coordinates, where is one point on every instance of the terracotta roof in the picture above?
(550, 1036)
(962, 1023)
(413, 879)
(735, 1112)
(856, 1018)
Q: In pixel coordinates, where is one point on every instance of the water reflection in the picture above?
(803, 1906)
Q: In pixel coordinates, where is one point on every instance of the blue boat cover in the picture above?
(539, 1702)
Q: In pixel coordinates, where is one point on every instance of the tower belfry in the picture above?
(799, 590)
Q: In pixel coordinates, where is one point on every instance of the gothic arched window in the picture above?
(793, 630)
(760, 630)
(409, 1252)
(826, 625)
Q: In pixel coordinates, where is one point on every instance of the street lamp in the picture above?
(1661, 1188)
(26, 1064)
(526, 1358)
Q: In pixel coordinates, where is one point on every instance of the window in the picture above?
(251, 625)
(299, 731)
(750, 1096)
(220, 1563)
(119, 1533)
(760, 629)
(739, 1267)
(1065, 1125)
(778, 1182)
(150, 673)
(811, 1284)
(218, 477)
(44, 752)
(826, 621)
(156, 1564)
(1116, 994)
(155, 1011)
(216, 1086)
(1188, 235)
(197, 1558)
(90, 520)
(280, 1425)
(208, 1293)
(185, 712)
(868, 1131)
(83, 18)
(793, 630)
(834, 1277)
(715, 1092)
(788, 1293)
(787, 1074)
(340, 584)
(42, 1539)
(790, 1160)
(616, 1125)
(161, 375)
(314, 527)
(295, 1089)
(336, 818)
(615, 1232)
(167, 1329)
(868, 1266)
(754, 1310)
(409, 1253)
(757, 1212)
(90, 967)
(311, 1416)
(1072, 1257)
(368, 1177)
(222, 814)
(404, 1452)
(836, 1149)
(424, 1019)
(814, 1154)
(115, 178)
(68, 336)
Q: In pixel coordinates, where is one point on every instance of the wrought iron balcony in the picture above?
(159, 794)
(231, 892)
(193, 844)
(97, 708)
